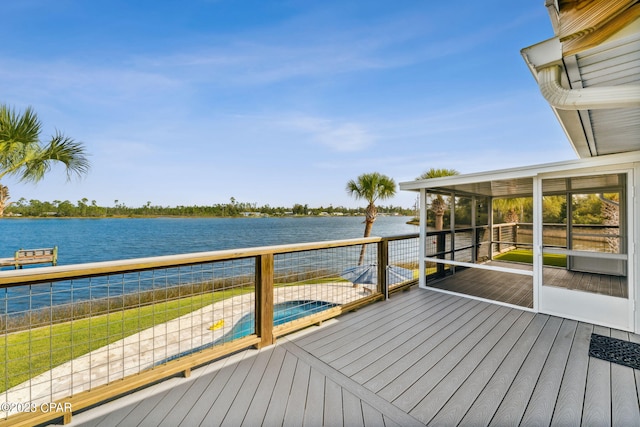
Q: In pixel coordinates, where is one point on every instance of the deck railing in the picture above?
(77, 335)
(482, 243)
(469, 245)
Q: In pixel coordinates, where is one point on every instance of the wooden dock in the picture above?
(24, 257)
(420, 358)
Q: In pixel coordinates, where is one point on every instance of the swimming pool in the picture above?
(283, 312)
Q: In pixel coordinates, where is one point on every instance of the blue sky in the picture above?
(193, 102)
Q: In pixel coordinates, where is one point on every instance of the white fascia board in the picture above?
(574, 131)
(554, 14)
(524, 171)
(467, 179)
(543, 54)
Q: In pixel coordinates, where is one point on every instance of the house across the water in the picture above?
(580, 267)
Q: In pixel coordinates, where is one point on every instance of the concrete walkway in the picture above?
(143, 350)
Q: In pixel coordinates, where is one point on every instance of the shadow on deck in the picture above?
(421, 358)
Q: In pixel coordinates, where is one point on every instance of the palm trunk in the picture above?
(4, 199)
(367, 232)
(371, 214)
(439, 207)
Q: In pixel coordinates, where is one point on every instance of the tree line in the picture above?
(86, 208)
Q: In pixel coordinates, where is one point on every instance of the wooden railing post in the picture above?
(383, 262)
(264, 299)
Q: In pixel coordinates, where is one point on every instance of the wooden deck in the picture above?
(509, 288)
(518, 289)
(421, 358)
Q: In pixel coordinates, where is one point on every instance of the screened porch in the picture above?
(553, 238)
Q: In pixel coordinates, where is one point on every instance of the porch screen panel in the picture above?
(463, 231)
(584, 247)
(482, 231)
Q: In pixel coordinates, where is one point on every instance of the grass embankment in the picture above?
(26, 354)
(526, 256)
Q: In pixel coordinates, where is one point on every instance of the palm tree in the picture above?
(512, 209)
(611, 216)
(438, 205)
(371, 187)
(22, 154)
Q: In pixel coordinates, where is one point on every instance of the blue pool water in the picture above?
(282, 313)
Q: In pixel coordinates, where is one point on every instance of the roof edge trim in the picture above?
(609, 160)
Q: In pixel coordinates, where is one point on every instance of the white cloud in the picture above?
(336, 135)
(344, 137)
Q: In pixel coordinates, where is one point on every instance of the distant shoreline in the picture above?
(187, 216)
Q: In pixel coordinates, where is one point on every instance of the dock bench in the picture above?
(31, 256)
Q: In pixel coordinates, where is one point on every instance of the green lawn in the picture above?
(53, 345)
(28, 353)
(526, 256)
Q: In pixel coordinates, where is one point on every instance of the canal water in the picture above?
(107, 239)
(91, 240)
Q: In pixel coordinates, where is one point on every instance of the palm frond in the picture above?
(371, 187)
(22, 154)
(69, 152)
(438, 173)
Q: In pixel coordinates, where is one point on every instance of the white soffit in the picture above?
(615, 63)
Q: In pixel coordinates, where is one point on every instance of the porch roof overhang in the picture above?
(518, 182)
(596, 55)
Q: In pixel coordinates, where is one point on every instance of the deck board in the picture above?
(389, 354)
(570, 401)
(351, 324)
(352, 407)
(492, 395)
(371, 416)
(597, 400)
(380, 325)
(387, 319)
(314, 408)
(182, 397)
(257, 409)
(294, 414)
(624, 405)
(543, 399)
(446, 360)
(419, 394)
(278, 405)
(509, 288)
(333, 408)
(457, 345)
(392, 381)
(448, 376)
(239, 407)
(198, 408)
(353, 358)
(145, 411)
(515, 402)
(221, 405)
(518, 289)
(467, 391)
(372, 356)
